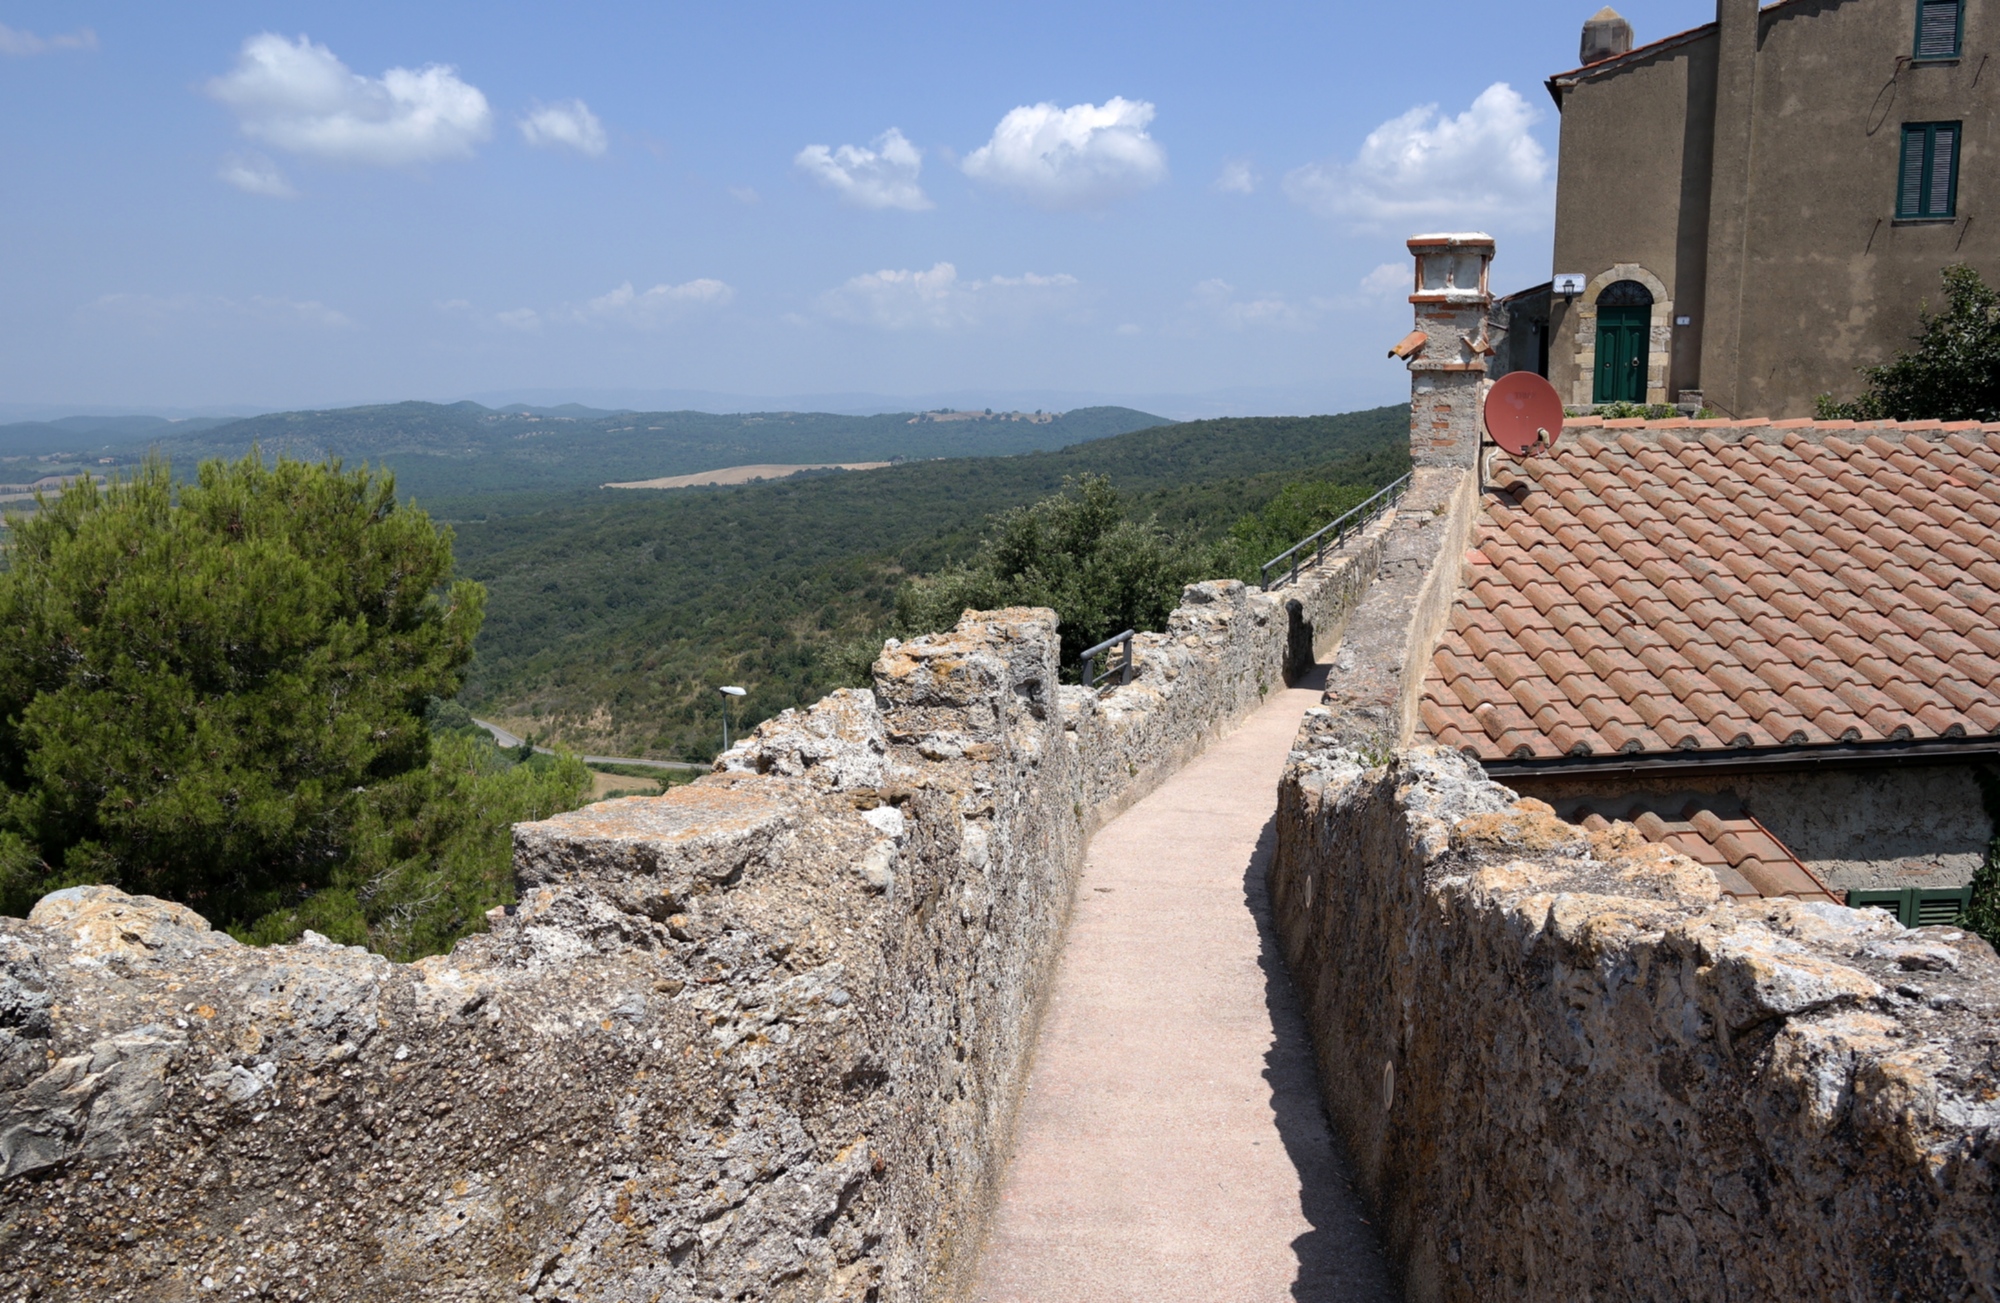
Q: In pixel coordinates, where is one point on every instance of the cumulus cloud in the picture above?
(1238, 177)
(1217, 300)
(938, 300)
(161, 311)
(256, 175)
(1084, 156)
(882, 176)
(646, 309)
(1481, 168)
(1390, 280)
(567, 125)
(519, 319)
(297, 96)
(22, 44)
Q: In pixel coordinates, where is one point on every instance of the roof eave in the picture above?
(1843, 755)
(1564, 80)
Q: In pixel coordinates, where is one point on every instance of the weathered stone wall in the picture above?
(758, 1038)
(1567, 1067)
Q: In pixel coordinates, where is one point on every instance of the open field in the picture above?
(744, 475)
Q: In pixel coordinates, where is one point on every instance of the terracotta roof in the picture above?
(1674, 586)
(1747, 859)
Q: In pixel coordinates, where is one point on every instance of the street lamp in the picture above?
(727, 693)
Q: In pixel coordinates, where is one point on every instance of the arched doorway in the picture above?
(1624, 328)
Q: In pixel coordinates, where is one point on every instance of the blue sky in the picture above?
(279, 205)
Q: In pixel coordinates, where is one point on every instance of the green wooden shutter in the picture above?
(1927, 177)
(1916, 906)
(1938, 27)
(1941, 197)
(1910, 182)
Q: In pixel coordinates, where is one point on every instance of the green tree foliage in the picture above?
(433, 851)
(1299, 509)
(216, 694)
(1078, 552)
(1983, 916)
(1952, 373)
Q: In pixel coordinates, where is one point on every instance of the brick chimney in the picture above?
(1606, 35)
(1447, 351)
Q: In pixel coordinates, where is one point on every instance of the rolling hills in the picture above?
(441, 451)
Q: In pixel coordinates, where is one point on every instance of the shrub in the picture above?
(1951, 374)
(1076, 552)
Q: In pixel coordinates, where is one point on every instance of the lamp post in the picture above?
(727, 693)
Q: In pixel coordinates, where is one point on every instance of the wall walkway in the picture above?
(1172, 1144)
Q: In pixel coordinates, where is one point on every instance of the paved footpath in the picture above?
(1171, 1145)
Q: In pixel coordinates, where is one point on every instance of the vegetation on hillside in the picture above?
(1952, 372)
(215, 692)
(1101, 569)
(614, 617)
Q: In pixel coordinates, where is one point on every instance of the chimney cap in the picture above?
(1606, 35)
(1452, 240)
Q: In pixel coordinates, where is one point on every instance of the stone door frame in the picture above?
(1659, 338)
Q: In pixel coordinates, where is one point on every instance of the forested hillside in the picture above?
(439, 451)
(612, 617)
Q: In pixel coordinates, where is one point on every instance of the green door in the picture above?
(1621, 354)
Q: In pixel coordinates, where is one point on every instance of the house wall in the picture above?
(1752, 170)
(1832, 280)
(1634, 152)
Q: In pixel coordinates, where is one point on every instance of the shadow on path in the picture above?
(1340, 1259)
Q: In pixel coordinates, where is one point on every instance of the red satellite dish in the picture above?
(1524, 414)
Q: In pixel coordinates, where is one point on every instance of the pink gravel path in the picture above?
(1171, 1145)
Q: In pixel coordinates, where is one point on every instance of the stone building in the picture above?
(1751, 210)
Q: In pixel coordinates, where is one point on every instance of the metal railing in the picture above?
(1090, 676)
(1341, 527)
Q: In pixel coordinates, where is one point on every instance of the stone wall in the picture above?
(1567, 1067)
(758, 1038)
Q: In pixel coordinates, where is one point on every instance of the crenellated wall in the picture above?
(760, 1037)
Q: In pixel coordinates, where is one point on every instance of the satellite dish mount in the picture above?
(1524, 415)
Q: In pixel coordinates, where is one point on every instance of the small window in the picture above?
(1939, 23)
(1927, 185)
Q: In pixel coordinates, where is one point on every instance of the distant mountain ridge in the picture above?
(441, 451)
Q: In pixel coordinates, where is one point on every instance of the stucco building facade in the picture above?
(1751, 210)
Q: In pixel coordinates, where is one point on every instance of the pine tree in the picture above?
(205, 688)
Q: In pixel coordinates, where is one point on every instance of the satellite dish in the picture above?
(1524, 413)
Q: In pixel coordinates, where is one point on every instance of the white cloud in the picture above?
(254, 174)
(568, 125)
(938, 300)
(1217, 300)
(519, 319)
(645, 309)
(1238, 177)
(161, 311)
(22, 44)
(884, 176)
(1481, 168)
(744, 194)
(1390, 280)
(297, 96)
(1083, 156)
